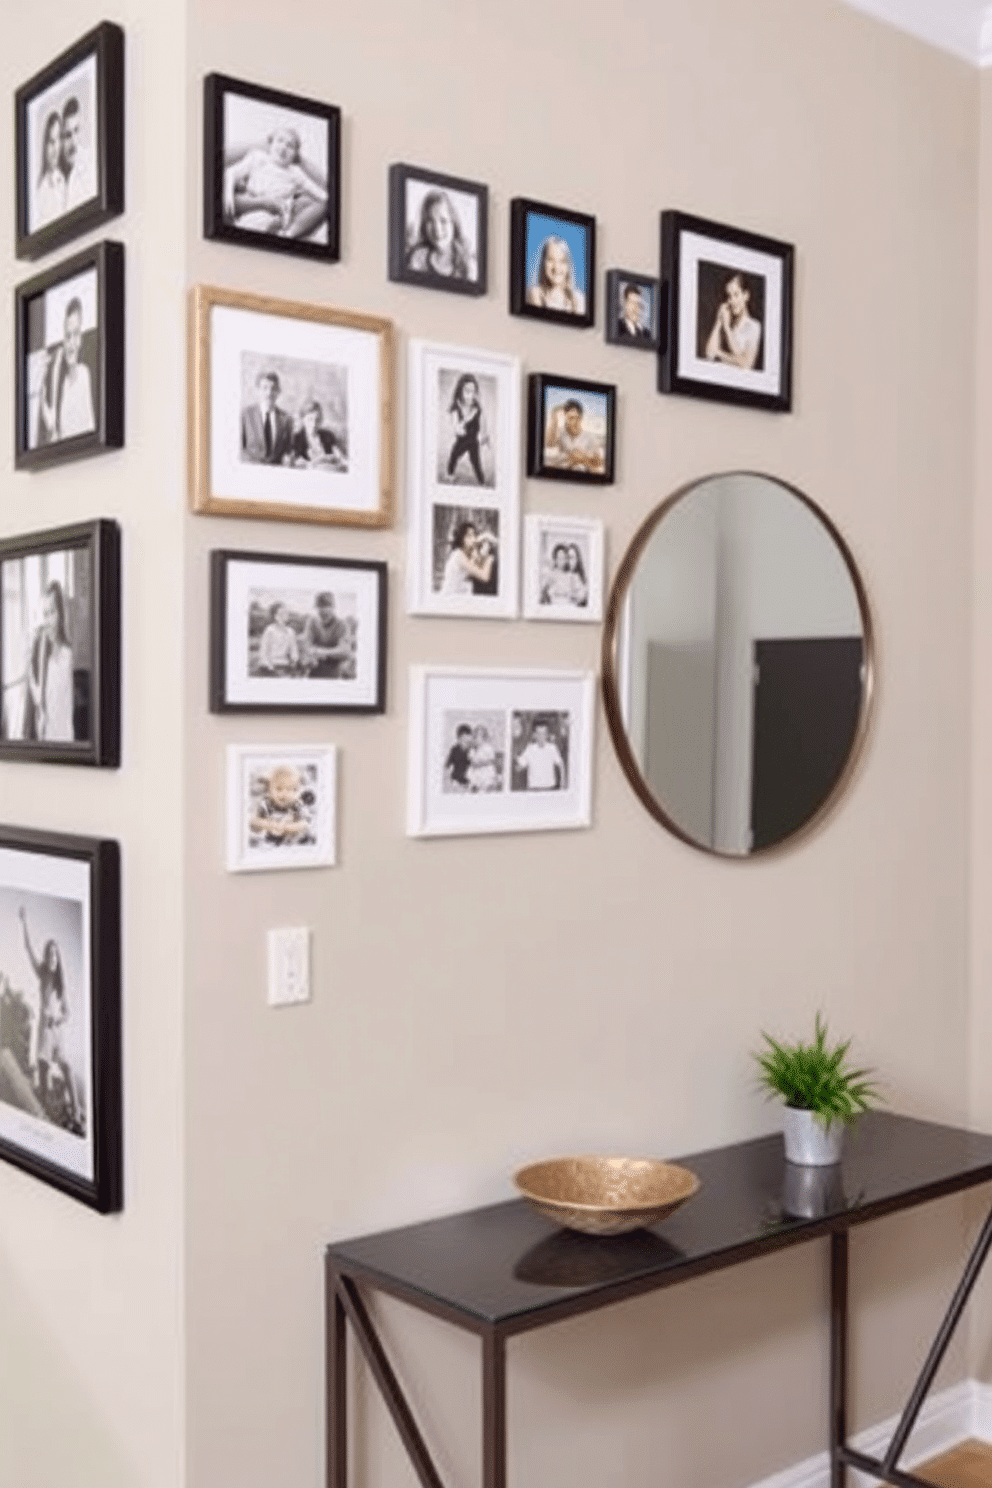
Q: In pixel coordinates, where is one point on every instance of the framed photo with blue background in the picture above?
(552, 263)
(571, 429)
(438, 230)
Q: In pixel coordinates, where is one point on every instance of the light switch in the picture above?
(289, 965)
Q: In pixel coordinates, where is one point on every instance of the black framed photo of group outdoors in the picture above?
(438, 230)
(552, 263)
(69, 123)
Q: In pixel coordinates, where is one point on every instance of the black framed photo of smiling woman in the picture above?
(438, 230)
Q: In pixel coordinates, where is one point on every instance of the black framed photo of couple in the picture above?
(552, 263)
(438, 230)
(563, 568)
(60, 645)
(464, 482)
(571, 429)
(60, 1024)
(728, 298)
(632, 310)
(281, 810)
(271, 169)
(69, 360)
(69, 121)
(292, 410)
(295, 634)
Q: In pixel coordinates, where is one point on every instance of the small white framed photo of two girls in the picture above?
(438, 231)
(552, 263)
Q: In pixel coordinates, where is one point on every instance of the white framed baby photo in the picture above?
(464, 482)
(281, 807)
(563, 568)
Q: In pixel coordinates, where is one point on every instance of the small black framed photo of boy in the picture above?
(69, 360)
(552, 263)
(271, 169)
(571, 429)
(632, 317)
(438, 230)
(60, 645)
(728, 298)
(70, 143)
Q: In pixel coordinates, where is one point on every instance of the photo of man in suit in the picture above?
(633, 321)
(266, 430)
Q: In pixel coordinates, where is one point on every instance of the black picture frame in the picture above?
(39, 227)
(88, 559)
(474, 278)
(532, 227)
(61, 1115)
(579, 456)
(101, 354)
(647, 336)
(700, 262)
(245, 590)
(277, 236)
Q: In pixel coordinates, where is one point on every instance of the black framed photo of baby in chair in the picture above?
(552, 263)
(280, 806)
(271, 169)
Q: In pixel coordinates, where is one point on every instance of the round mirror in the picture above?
(737, 663)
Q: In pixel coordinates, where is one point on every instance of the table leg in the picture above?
(838, 1357)
(337, 1383)
(493, 1410)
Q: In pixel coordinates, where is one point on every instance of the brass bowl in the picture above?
(605, 1195)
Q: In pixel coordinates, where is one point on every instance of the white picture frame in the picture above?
(463, 507)
(499, 750)
(281, 807)
(563, 568)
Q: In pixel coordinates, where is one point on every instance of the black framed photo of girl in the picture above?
(70, 143)
(271, 169)
(438, 230)
(464, 506)
(728, 295)
(552, 263)
(69, 328)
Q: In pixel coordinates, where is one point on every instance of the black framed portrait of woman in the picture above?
(438, 230)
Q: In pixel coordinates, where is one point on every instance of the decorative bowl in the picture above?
(605, 1195)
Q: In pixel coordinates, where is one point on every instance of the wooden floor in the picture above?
(967, 1466)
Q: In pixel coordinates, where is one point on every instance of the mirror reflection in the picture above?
(737, 663)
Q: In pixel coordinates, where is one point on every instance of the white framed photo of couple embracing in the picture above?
(463, 508)
(563, 568)
(281, 809)
(499, 750)
(291, 410)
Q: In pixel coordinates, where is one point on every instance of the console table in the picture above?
(502, 1270)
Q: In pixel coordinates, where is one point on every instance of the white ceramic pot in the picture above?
(808, 1141)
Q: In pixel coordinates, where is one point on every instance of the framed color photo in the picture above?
(296, 634)
(280, 806)
(571, 429)
(552, 263)
(563, 568)
(70, 143)
(60, 1024)
(292, 411)
(69, 360)
(271, 169)
(728, 295)
(632, 310)
(60, 645)
(438, 230)
(464, 506)
(499, 751)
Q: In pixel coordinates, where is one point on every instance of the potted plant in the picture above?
(822, 1092)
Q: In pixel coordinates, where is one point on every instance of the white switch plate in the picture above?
(289, 965)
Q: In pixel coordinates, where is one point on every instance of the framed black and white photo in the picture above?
(69, 360)
(271, 169)
(464, 481)
(632, 310)
(70, 143)
(499, 750)
(292, 411)
(60, 1026)
(728, 298)
(295, 634)
(438, 230)
(281, 810)
(571, 429)
(552, 263)
(60, 645)
(563, 568)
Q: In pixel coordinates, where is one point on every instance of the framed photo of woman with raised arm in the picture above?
(438, 230)
(552, 263)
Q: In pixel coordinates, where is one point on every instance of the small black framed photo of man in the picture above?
(69, 360)
(728, 298)
(70, 143)
(60, 643)
(271, 169)
(571, 429)
(632, 313)
(552, 263)
(438, 230)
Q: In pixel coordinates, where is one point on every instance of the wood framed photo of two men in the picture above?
(728, 299)
(69, 122)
